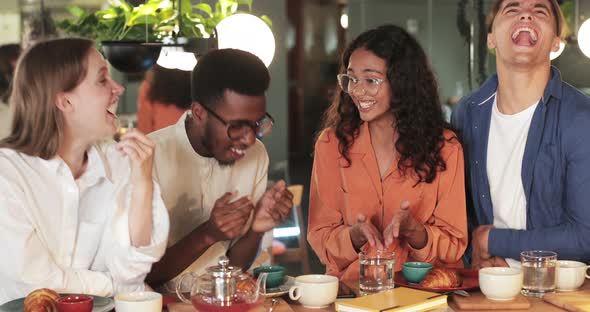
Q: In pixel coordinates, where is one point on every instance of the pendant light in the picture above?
(584, 38)
(182, 53)
(249, 33)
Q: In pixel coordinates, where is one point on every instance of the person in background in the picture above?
(38, 28)
(164, 95)
(8, 56)
(78, 215)
(447, 107)
(213, 169)
(526, 144)
(387, 172)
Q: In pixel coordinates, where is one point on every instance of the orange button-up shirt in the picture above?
(339, 193)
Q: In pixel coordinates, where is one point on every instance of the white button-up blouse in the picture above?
(72, 235)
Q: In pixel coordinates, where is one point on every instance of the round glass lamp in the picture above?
(249, 33)
(177, 58)
(584, 38)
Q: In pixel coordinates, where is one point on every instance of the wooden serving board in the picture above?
(570, 301)
(477, 301)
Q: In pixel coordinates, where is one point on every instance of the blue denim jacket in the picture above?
(555, 171)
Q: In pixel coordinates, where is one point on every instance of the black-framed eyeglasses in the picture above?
(237, 129)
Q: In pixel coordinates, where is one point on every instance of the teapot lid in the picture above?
(224, 269)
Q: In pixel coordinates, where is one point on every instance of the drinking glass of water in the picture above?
(376, 271)
(123, 127)
(539, 268)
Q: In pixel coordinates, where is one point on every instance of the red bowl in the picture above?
(75, 303)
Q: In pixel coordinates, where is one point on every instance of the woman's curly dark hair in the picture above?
(415, 103)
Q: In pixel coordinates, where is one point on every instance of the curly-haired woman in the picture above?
(388, 172)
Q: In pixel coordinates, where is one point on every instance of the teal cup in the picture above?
(415, 272)
(276, 275)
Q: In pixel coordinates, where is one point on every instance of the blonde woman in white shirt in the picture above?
(78, 215)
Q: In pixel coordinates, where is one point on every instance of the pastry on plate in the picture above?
(41, 300)
(441, 278)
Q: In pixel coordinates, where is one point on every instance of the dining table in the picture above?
(284, 304)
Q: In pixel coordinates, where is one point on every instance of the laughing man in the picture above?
(526, 143)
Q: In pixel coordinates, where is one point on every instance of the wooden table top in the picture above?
(537, 304)
(284, 304)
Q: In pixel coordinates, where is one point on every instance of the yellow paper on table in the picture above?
(398, 299)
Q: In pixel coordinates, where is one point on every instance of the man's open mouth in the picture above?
(525, 36)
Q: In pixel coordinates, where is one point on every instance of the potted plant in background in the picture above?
(132, 37)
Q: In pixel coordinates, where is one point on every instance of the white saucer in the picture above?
(281, 289)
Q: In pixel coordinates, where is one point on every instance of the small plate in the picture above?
(282, 289)
(470, 280)
(101, 304)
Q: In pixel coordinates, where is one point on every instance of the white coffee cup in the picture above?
(314, 290)
(145, 301)
(500, 283)
(571, 275)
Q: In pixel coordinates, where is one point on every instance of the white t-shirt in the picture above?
(192, 183)
(506, 143)
(72, 235)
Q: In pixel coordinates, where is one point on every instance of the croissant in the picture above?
(441, 278)
(41, 300)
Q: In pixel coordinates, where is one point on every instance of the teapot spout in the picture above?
(193, 279)
(261, 285)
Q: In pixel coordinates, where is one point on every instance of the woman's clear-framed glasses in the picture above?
(369, 85)
(237, 129)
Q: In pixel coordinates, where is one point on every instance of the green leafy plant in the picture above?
(567, 8)
(153, 21)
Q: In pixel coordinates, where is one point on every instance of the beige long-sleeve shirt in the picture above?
(192, 183)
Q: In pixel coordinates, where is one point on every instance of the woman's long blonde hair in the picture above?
(44, 71)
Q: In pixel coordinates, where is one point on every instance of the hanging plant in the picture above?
(131, 37)
(153, 21)
(567, 8)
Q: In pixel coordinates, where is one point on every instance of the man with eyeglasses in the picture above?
(213, 169)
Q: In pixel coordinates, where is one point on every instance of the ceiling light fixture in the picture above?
(584, 38)
(249, 33)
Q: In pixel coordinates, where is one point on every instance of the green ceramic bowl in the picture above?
(276, 275)
(415, 272)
